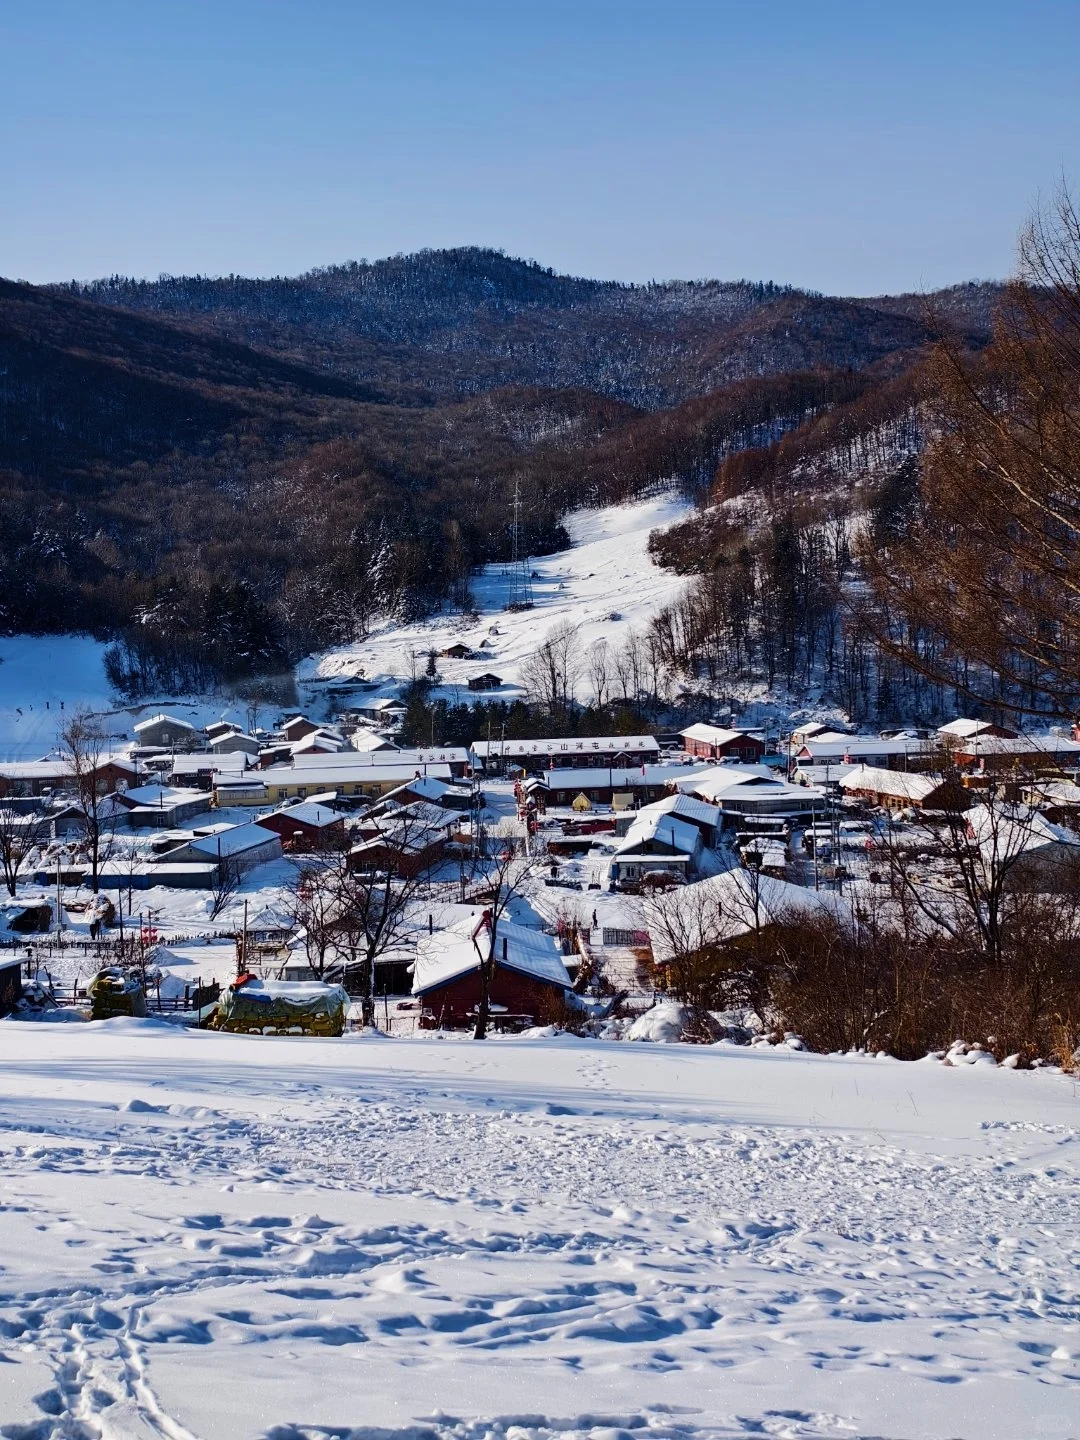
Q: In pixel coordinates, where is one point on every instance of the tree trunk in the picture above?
(487, 969)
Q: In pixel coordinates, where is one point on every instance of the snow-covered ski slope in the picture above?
(38, 673)
(607, 571)
(228, 1237)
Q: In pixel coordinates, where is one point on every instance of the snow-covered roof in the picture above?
(723, 907)
(331, 775)
(163, 795)
(430, 787)
(198, 762)
(899, 783)
(725, 785)
(235, 738)
(864, 745)
(316, 741)
(307, 812)
(663, 828)
(244, 780)
(1054, 792)
(590, 745)
(358, 759)
(54, 769)
(447, 954)
(712, 734)
(619, 777)
(1010, 831)
(233, 840)
(158, 719)
(964, 729)
(686, 807)
(366, 741)
(1024, 745)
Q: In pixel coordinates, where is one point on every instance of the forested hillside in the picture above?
(231, 472)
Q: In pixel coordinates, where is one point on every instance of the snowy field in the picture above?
(224, 1237)
(607, 571)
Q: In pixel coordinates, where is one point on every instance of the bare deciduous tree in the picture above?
(19, 836)
(224, 883)
(84, 745)
(989, 566)
(600, 670)
(508, 877)
(551, 673)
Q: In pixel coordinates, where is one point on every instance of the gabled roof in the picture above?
(157, 719)
(308, 812)
(686, 807)
(726, 906)
(1024, 745)
(163, 795)
(891, 782)
(448, 954)
(1010, 831)
(233, 840)
(665, 829)
(964, 729)
(713, 734)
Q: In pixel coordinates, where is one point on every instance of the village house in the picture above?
(384, 710)
(458, 651)
(168, 731)
(547, 754)
(52, 776)
(458, 757)
(198, 767)
(711, 742)
(369, 741)
(306, 826)
(296, 727)
(217, 728)
(301, 782)
(726, 908)
(235, 742)
(1032, 854)
(624, 789)
(240, 846)
(901, 790)
(231, 788)
(529, 980)
(744, 794)
(405, 842)
(430, 790)
(960, 730)
(815, 730)
(158, 807)
(900, 753)
(656, 843)
(1029, 752)
(707, 818)
(487, 680)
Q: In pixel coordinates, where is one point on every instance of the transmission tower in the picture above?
(519, 589)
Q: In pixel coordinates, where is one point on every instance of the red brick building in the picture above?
(711, 742)
(529, 974)
(307, 826)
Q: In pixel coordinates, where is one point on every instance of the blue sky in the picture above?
(852, 148)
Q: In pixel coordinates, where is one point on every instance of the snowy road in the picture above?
(222, 1237)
